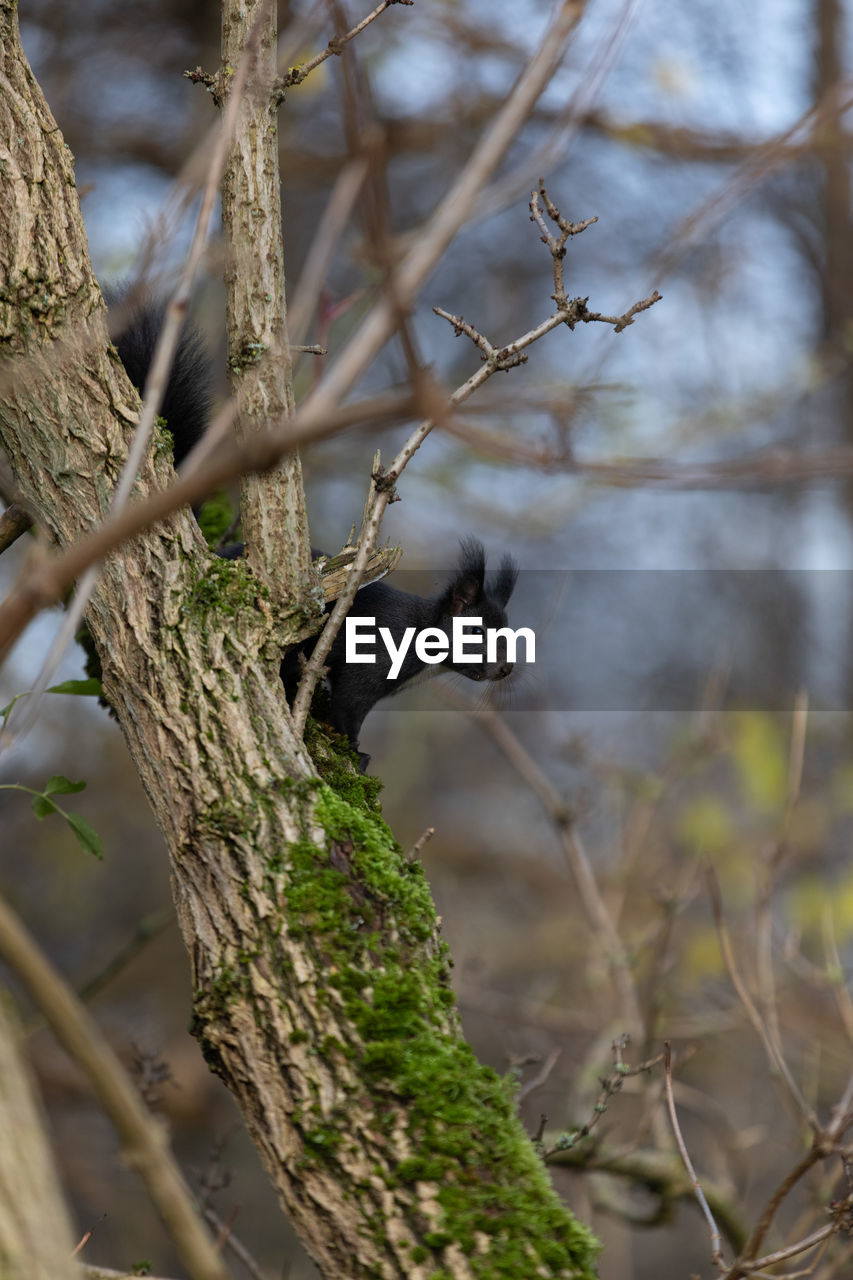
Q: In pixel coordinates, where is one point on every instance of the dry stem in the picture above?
(143, 1137)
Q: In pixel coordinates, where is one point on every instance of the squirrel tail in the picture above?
(187, 401)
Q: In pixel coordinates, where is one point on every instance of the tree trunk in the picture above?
(274, 520)
(321, 988)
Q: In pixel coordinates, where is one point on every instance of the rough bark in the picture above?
(273, 504)
(322, 993)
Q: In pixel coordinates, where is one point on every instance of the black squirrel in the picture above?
(354, 687)
(188, 397)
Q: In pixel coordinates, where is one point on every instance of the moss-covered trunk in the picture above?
(322, 994)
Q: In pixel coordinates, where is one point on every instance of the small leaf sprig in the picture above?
(44, 804)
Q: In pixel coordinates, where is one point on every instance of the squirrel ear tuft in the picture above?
(472, 559)
(505, 580)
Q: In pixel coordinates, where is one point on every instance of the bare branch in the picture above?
(142, 1135)
(595, 908)
(537, 1081)
(226, 1239)
(610, 1085)
(716, 1242)
(86, 1236)
(402, 287)
(418, 847)
(835, 972)
(329, 231)
(452, 212)
(790, 1251)
(337, 45)
(571, 311)
(662, 1172)
(773, 1050)
(46, 581)
(790, 1180)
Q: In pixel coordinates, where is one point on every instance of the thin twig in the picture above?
(790, 1251)
(46, 581)
(537, 1081)
(402, 286)
(329, 231)
(336, 46)
(604, 930)
(418, 847)
(86, 1236)
(451, 212)
(790, 1180)
(834, 973)
(777, 1060)
(662, 1172)
(226, 1239)
(842, 1115)
(716, 1242)
(375, 505)
(610, 1085)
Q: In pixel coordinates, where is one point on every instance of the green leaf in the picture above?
(90, 688)
(760, 753)
(85, 833)
(59, 786)
(4, 711)
(42, 807)
(705, 825)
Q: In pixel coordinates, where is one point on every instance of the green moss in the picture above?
(216, 517)
(336, 761)
(227, 587)
(249, 355)
(461, 1117)
(229, 984)
(164, 443)
(224, 819)
(369, 914)
(322, 1140)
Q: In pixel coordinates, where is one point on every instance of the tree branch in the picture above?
(35, 1231)
(143, 1137)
